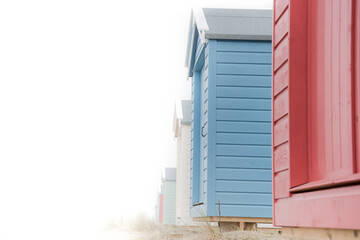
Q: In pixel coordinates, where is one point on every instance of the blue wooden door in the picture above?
(204, 130)
(200, 77)
(196, 154)
(202, 137)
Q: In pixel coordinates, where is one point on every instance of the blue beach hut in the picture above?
(229, 63)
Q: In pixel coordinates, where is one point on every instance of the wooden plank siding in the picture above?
(330, 96)
(356, 53)
(231, 129)
(199, 144)
(243, 128)
(204, 125)
(169, 201)
(283, 90)
(315, 100)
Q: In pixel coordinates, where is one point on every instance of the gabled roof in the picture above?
(169, 174)
(186, 112)
(226, 24)
(182, 115)
(234, 24)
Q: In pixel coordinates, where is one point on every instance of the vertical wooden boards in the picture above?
(356, 57)
(196, 128)
(199, 132)
(199, 116)
(211, 202)
(204, 81)
(316, 103)
(330, 96)
(297, 93)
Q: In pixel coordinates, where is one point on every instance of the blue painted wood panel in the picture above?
(244, 115)
(243, 69)
(244, 57)
(230, 186)
(246, 210)
(244, 46)
(243, 162)
(211, 131)
(234, 117)
(198, 186)
(243, 80)
(243, 128)
(263, 139)
(244, 198)
(203, 79)
(243, 174)
(243, 92)
(243, 150)
(246, 104)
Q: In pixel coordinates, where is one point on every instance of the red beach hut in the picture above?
(316, 106)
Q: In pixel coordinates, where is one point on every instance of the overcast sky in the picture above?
(87, 93)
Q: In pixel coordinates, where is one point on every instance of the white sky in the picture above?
(87, 91)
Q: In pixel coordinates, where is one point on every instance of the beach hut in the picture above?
(181, 129)
(169, 196)
(159, 206)
(229, 63)
(316, 92)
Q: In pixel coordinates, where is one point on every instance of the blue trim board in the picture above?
(212, 129)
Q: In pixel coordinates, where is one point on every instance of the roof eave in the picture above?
(217, 36)
(201, 24)
(198, 21)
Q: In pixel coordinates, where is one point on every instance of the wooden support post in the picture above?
(229, 226)
(232, 219)
(235, 223)
(242, 225)
(235, 226)
(250, 226)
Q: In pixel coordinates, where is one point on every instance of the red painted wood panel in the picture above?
(281, 53)
(281, 104)
(297, 93)
(281, 131)
(356, 52)
(322, 184)
(281, 157)
(332, 208)
(282, 184)
(280, 6)
(318, 66)
(161, 203)
(272, 107)
(282, 27)
(281, 78)
(329, 92)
